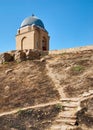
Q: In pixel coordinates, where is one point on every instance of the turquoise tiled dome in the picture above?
(32, 20)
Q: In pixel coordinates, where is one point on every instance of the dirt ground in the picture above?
(29, 83)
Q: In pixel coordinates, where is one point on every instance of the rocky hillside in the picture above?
(51, 92)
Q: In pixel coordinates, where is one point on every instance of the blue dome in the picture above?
(32, 20)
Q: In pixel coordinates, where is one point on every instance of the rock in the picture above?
(7, 88)
(20, 56)
(6, 57)
(42, 60)
(32, 54)
(8, 71)
(85, 115)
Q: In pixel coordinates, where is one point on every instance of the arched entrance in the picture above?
(23, 43)
(44, 44)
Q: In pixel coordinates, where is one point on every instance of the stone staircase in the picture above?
(66, 120)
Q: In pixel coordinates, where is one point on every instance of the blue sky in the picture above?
(69, 22)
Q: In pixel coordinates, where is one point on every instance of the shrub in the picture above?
(59, 106)
(24, 112)
(77, 68)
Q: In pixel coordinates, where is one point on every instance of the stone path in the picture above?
(56, 79)
(30, 107)
(66, 120)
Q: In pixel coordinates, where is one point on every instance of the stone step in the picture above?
(68, 108)
(70, 104)
(61, 127)
(67, 114)
(57, 127)
(68, 117)
(70, 99)
(66, 121)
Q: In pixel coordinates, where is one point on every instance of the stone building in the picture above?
(32, 35)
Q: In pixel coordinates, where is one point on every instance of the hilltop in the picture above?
(47, 92)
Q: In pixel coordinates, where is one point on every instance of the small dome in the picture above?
(32, 20)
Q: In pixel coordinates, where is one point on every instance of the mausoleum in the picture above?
(32, 35)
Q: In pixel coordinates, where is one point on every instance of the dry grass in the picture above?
(29, 84)
(74, 72)
(26, 85)
(32, 119)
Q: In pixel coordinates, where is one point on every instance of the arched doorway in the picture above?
(44, 44)
(22, 43)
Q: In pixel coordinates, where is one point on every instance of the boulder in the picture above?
(6, 57)
(32, 54)
(20, 56)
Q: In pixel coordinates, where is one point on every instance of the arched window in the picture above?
(44, 44)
